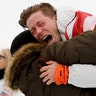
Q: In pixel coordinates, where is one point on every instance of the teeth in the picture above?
(45, 37)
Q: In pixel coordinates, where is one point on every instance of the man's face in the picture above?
(43, 28)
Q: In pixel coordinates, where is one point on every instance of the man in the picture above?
(46, 24)
(23, 71)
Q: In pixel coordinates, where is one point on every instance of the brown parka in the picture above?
(23, 70)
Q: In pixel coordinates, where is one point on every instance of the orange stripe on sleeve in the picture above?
(61, 74)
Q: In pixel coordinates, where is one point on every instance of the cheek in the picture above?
(2, 65)
(2, 62)
(54, 26)
(35, 36)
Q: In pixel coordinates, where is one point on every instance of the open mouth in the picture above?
(47, 38)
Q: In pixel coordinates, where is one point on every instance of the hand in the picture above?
(48, 72)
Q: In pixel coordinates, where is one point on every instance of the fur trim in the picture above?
(16, 61)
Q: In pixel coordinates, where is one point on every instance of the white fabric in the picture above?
(82, 75)
(64, 17)
(8, 91)
(79, 75)
(89, 26)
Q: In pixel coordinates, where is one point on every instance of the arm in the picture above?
(79, 75)
(82, 76)
(80, 49)
(81, 52)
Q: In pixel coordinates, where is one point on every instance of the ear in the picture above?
(55, 17)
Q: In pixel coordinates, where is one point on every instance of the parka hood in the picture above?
(19, 61)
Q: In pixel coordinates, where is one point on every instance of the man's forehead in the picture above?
(35, 18)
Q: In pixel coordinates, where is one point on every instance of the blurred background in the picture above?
(10, 11)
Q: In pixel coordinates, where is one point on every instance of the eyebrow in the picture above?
(2, 56)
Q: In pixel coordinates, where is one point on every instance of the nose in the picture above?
(39, 31)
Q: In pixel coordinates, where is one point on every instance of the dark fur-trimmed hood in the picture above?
(20, 59)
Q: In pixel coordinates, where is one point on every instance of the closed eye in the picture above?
(41, 24)
(33, 31)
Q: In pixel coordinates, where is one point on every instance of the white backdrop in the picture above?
(10, 11)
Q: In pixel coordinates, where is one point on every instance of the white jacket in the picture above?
(71, 23)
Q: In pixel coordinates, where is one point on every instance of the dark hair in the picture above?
(2, 71)
(21, 39)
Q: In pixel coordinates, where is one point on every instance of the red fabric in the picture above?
(78, 26)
